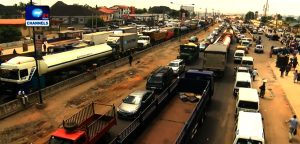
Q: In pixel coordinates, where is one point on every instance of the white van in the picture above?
(247, 61)
(238, 55)
(249, 129)
(247, 100)
(242, 80)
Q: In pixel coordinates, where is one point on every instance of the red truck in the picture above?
(86, 126)
(156, 36)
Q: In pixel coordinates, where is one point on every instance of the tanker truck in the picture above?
(20, 72)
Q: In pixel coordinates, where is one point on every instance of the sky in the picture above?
(283, 7)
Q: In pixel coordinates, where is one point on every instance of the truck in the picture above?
(215, 56)
(181, 117)
(124, 43)
(85, 127)
(189, 52)
(125, 30)
(143, 42)
(156, 35)
(97, 38)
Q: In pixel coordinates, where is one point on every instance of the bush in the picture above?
(9, 34)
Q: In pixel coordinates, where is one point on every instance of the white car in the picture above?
(238, 55)
(177, 66)
(259, 49)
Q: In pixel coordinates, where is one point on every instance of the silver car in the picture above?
(135, 103)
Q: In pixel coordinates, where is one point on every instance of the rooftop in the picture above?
(12, 21)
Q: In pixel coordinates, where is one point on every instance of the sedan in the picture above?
(135, 103)
(259, 49)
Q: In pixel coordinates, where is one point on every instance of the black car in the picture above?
(274, 37)
(160, 79)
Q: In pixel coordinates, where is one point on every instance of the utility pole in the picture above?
(266, 8)
(96, 18)
(40, 104)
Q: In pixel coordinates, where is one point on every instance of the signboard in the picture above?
(37, 16)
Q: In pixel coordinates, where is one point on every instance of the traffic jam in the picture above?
(147, 78)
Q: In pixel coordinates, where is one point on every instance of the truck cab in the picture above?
(188, 52)
(63, 136)
(143, 42)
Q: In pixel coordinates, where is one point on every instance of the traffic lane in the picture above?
(118, 128)
(274, 107)
(218, 126)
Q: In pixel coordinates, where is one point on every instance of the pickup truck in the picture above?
(86, 126)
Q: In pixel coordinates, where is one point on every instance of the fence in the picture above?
(14, 44)
(15, 106)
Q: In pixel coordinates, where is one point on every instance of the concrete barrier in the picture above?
(11, 45)
(15, 106)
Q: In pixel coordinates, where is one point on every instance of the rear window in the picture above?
(245, 62)
(239, 54)
(243, 84)
(248, 141)
(248, 105)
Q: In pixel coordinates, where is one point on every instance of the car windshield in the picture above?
(245, 43)
(245, 62)
(9, 74)
(242, 70)
(173, 64)
(243, 84)
(143, 38)
(57, 140)
(239, 54)
(248, 141)
(259, 47)
(132, 100)
(248, 105)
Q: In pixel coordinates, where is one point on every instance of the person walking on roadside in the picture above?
(130, 58)
(295, 62)
(262, 89)
(1, 51)
(293, 125)
(295, 76)
(282, 69)
(254, 73)
(288, 69)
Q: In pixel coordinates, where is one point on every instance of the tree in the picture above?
(249, 16)
(9, 34)
(100, 22)
(174, 13)
(279, 17)
(290, 19)
(159, 9)
(263, 19)
(140, 11)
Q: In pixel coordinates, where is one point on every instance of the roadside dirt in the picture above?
(35, 126)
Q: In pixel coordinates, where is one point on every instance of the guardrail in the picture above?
(17, 105)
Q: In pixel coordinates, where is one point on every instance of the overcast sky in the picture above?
(284, 7)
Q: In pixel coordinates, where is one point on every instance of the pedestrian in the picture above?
(282, 69)
(130, 59)
(45, 47)
(1, 51)
(293, 125)
(262, 89)
(14, 52)
(295, 63)
(254, 73)
(288, 69)
(296, 76)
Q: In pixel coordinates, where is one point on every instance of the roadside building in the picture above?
(107, 14)
(18, 23)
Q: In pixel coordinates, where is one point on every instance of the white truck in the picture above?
(143, 42)
(97, 38)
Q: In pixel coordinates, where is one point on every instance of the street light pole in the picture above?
(37, 66)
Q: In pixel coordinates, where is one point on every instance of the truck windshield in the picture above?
(239, 54)
(57, 140)
(248, 105)
(9, 74)
(155, 79)
(186, 49)
(132, 100)
(143, 38)
(248, 141)
(243, 84)
(173, 64)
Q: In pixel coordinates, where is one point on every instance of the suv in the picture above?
(160, 79)
(259, 49)
(177, 66)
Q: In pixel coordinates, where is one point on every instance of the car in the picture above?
(259, 49)
(160, 79)
(260, 31)
(254, 31)
(215, 32)
(240, 36)
(202, 46)
(247, 39)
(134, 104)
(281, 50)
(238, 55)
(177, 66)
(274, 37)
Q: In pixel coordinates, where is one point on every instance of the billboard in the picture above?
(37, 16)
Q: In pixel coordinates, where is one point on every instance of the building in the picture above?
(71, 15)
(18, 23)
(107, 14)
(9, 12)
(122, 13)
